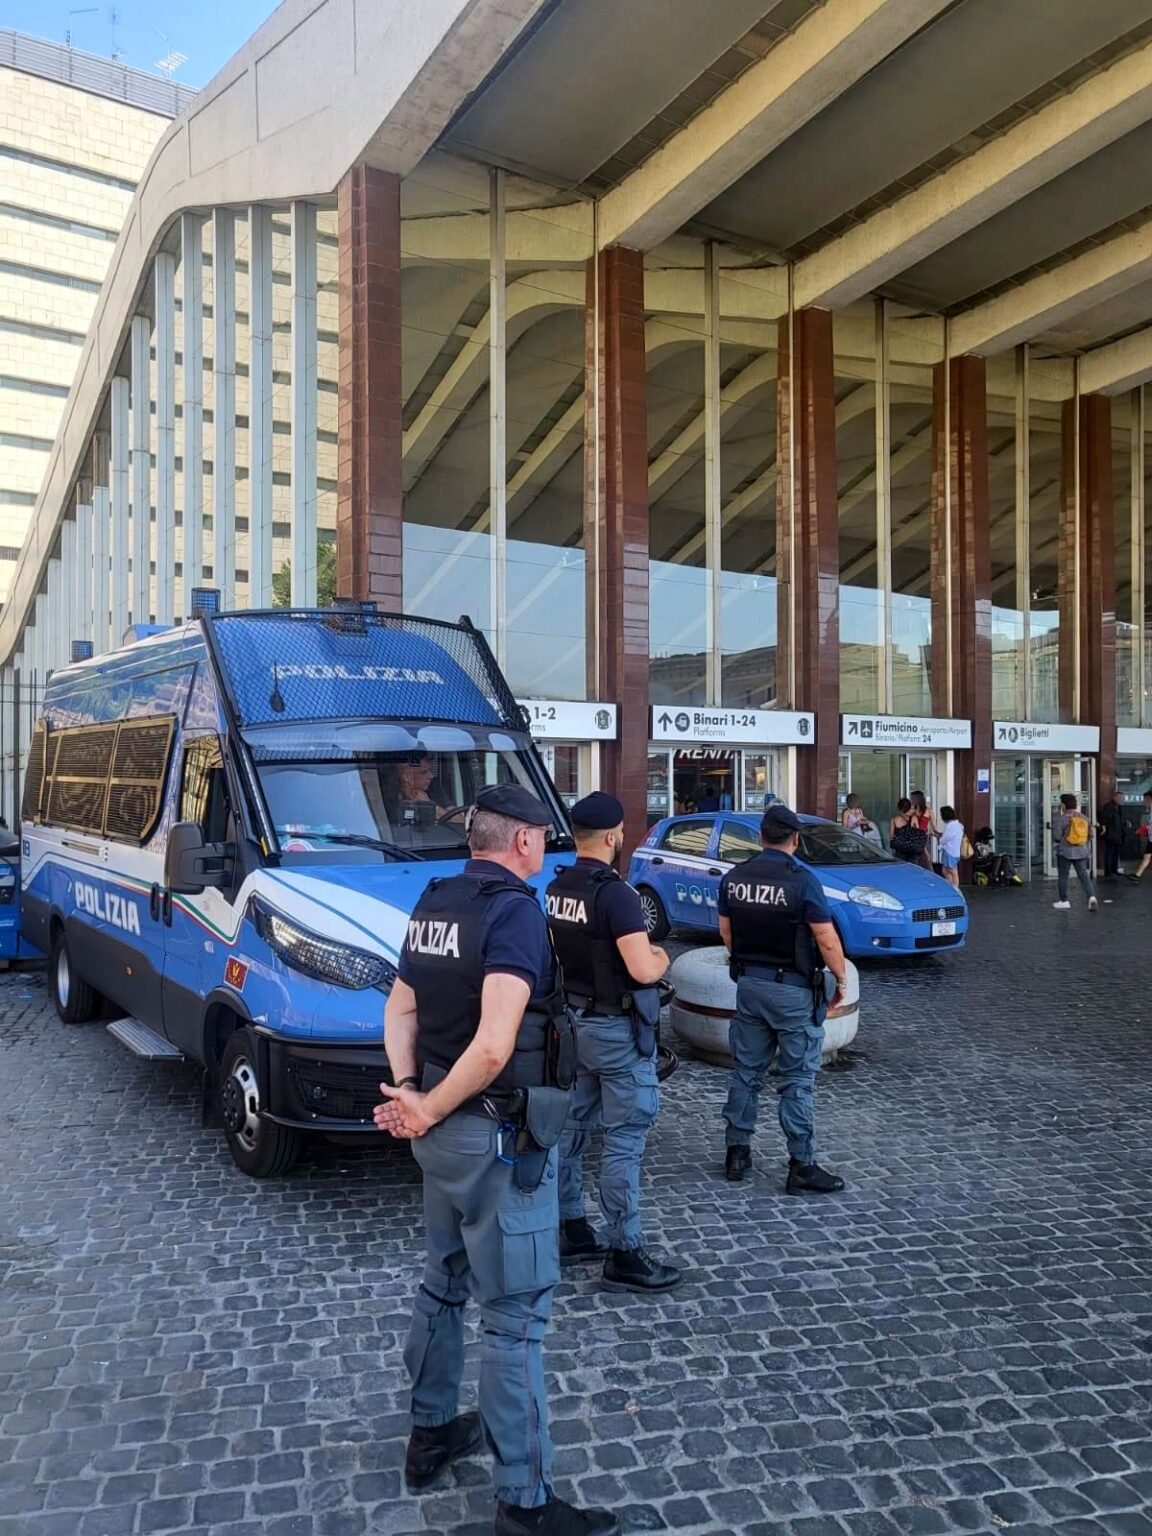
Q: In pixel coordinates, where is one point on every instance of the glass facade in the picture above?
(863, 619)
(915, 349)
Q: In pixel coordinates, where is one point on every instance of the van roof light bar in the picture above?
(82, 650)
(203, 601)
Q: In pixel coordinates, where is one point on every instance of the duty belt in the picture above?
(587, 1006)
(780, 973)
(493, 1106)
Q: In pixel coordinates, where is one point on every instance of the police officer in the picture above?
(466, 1032)
(609, 970)
(778, 929)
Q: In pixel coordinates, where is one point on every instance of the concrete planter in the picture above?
(706, 1000)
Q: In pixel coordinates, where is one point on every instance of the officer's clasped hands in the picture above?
(404, 1113)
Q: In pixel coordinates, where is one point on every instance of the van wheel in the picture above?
(259, 1147)
(655, 917)
(76, 1002)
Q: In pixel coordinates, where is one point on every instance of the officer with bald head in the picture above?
(777, 926)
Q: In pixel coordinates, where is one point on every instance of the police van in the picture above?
(225, 826)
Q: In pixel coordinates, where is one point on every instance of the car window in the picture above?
(737, 842)
(688, 837)
(836, 845)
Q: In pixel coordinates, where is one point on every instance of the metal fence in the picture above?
(89, 72)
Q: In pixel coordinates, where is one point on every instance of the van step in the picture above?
(142, 1041)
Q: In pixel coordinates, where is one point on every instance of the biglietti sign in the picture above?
(748, 727)
(903, 731)
(1024, 736)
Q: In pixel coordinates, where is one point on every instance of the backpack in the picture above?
(1076, 832)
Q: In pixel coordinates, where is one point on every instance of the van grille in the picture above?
(337, 1091)
(936, 914)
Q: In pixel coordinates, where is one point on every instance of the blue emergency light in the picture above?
(203, 601)
(82, 650)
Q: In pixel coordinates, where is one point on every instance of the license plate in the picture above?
(943, 930)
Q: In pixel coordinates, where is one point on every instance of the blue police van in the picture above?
(225, 826)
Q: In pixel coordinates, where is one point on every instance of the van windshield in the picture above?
(399, 791)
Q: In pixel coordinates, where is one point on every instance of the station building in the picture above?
(774, 399)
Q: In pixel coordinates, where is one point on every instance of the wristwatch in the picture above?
(407, 1082)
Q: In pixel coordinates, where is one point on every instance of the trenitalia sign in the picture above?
(904, 731)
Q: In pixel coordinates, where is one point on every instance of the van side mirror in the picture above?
(191, 865)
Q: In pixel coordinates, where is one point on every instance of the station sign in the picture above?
(908, 732)
(1134, 741)
(570, 720)
(739, 727)
(1028, 736)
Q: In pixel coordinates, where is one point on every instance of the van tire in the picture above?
(259, 1147)
(75, 1001)
(655, 914)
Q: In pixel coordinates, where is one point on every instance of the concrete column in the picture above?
(616, 520)
(713, 489)
(224, 406)
(303, 405)
(370, 496)
(498, 419)
(192, 399)
(57, 608)
(165, 541)
(141, 589)
(808, 550)
(961, 577)
(1087, 575)
(69, 584)
(259, 406)
(101, 544)
(118, 497)
(84, 578)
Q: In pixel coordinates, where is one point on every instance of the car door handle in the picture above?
(715, 871)
(655, 861)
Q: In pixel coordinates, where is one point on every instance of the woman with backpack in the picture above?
(1072, 838)
(909, 840)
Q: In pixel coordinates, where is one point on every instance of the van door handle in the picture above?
(154, 903)
(167, 907)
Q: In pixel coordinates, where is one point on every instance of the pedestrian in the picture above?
(1145, 831)
(1072, 839)
(778, 929)
(908, 840)
(923, 819)
(852, 817)
(1113, 830)
(951, 844)
(470, 1031)
(610, 972)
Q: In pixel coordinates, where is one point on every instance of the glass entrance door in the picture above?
(1065, 776)
(920, 773)
(1026, 795)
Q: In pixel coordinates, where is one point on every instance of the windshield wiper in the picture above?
(359, 840)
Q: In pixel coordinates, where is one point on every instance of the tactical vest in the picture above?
(447, 975)
(594, 971)
(766, 910)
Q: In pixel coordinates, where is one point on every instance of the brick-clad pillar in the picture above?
(370, 487)
(1088, 607)
(808, 549)
(616, 520)
(962, 572)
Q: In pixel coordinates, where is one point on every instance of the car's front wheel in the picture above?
(259, 1147)
(655, 913)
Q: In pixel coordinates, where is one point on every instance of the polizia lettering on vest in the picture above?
(762, 895)
(426, 936)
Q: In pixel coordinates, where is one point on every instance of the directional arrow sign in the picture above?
(665, 720)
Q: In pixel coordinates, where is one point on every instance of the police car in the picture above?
(880, 905)
(225, 827)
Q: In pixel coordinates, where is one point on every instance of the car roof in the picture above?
(749, 818)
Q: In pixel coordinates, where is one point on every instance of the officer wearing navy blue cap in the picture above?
(610, 971)
(466, 1031)
(778, 929)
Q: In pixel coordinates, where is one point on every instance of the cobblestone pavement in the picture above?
(961, 1342)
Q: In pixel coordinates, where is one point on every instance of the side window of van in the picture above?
(102, 779)
(203, 791)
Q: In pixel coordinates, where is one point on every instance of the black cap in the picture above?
(515, 802)
(779, 822)
(597, 812)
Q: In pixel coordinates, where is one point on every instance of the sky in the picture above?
(208, 31)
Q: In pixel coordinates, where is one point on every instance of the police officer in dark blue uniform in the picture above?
(778, 929)
(470, 1032)
(610, 973)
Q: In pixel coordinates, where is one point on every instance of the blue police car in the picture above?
(880, 905)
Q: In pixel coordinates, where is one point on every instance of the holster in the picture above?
(642, 1005)
(823, 991)
(542, 1121)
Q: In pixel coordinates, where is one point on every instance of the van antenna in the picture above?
(276, 698)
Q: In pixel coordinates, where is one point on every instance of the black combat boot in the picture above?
(737, 1162)
(554, 1519)
(431, 1450)
(635, 1269)
(811, 1179)
(578, 1241)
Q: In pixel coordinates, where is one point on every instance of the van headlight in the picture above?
(870, 896)
(322, 958)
